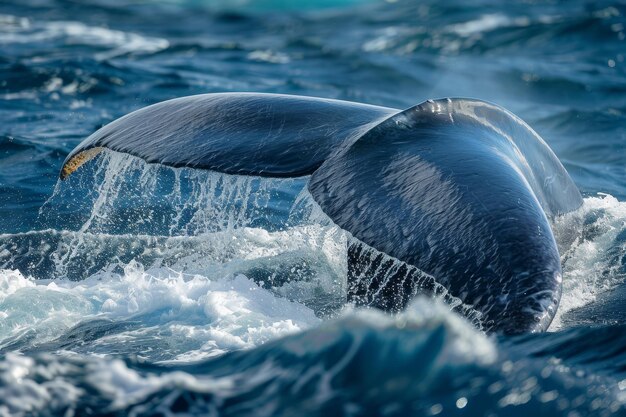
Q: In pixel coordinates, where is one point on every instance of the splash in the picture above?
(376, 273)
(173, 227)
(593, 263)
(160, 314)
(180, 252)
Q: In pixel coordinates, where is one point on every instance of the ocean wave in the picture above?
(425, 361)
(338, 346)
(111, 43)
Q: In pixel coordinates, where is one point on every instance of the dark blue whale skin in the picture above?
(268, 135)
(461, 189)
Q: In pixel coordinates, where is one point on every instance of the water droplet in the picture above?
(461, 402)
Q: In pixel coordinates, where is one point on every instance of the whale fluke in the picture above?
(460, 189)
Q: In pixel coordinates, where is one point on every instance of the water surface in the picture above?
(143, 290)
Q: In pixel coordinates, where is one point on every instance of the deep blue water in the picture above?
(145, 290)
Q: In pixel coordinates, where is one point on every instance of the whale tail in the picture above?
(460, 189)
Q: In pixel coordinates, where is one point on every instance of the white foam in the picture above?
(270, 56)
(21, 395)
(28, 387)
(30, 307)
(111, 42)
(214, 315)
(464, 344)
(487, 23)
(125, 386)
(12, 281)
(588, 267)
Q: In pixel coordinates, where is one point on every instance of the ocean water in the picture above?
(134, 289)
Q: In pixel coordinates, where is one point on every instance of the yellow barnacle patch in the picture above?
(77, 160)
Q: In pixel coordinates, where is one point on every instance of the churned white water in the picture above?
(212, 264)
(591, 265)
(205, 272)
(182, 316)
